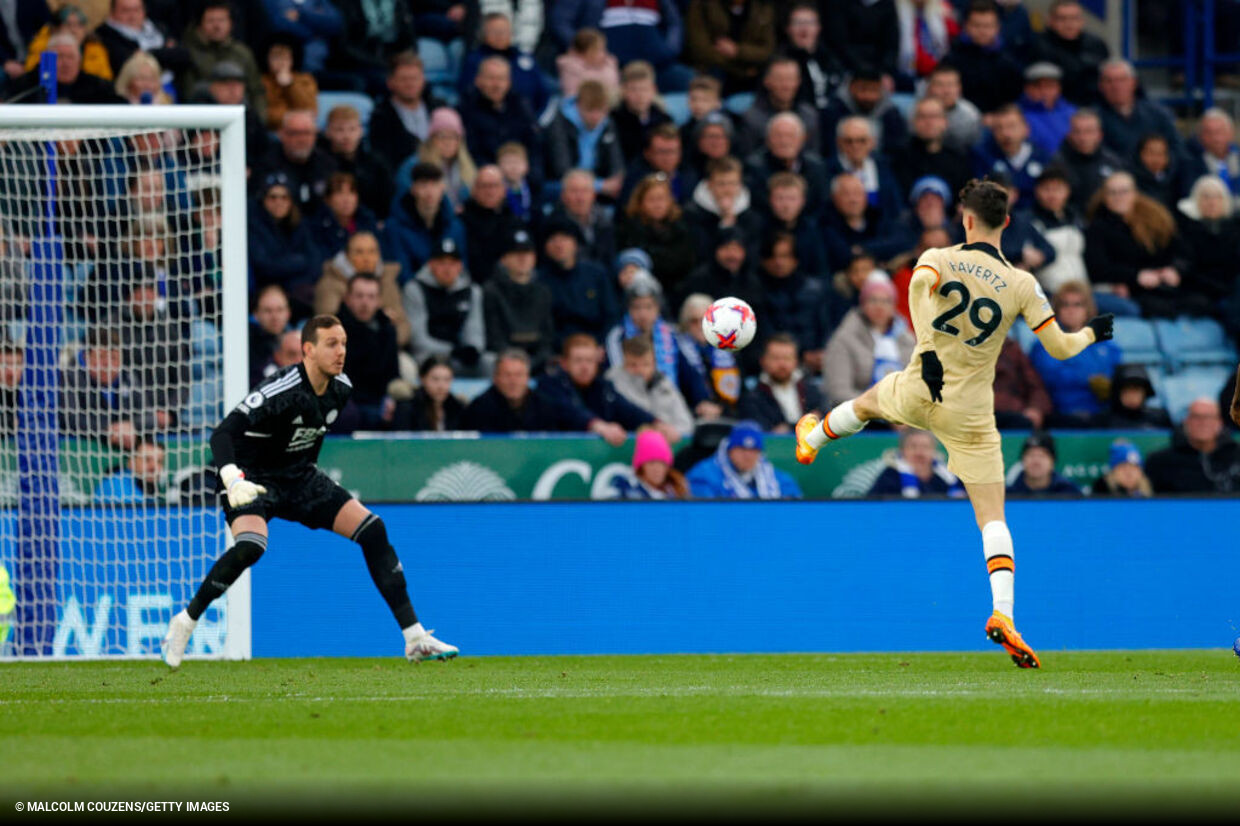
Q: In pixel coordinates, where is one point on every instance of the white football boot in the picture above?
(174, 642)
(420, 645)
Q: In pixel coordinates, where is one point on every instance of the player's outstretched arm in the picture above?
(1063, 345)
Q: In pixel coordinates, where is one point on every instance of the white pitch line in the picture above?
(572, 694)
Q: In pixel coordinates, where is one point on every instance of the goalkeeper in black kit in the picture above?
(265, 450)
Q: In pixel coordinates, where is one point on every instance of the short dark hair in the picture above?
(341, 180)
(310, 332)
(981, 7)
(577, 340)
(986, 199)
(773, 240)
(215, 4)
(781, 338)
(406, 58)
(637, 346)
(665, 131)
(362, 276)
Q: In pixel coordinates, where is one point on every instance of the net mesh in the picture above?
(110, 330)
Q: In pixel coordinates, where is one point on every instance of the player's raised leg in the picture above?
(997, 546)
(249, 542)
(844, 420)
(357, 523)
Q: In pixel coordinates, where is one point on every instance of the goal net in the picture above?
(118, 226)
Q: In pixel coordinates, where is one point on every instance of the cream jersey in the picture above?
(975, 298)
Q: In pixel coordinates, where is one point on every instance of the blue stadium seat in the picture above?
(436, 61)
(329, 100)
(1158, 378)
(1024, 336)
(446, 92)
(1195, 341)
(677, 106)
(469, 389)
(738, 102)
(1138, 341)
(1192, 383)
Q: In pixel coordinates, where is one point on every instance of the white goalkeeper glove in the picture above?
(240, 492)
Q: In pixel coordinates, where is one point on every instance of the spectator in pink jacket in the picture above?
(588, 59)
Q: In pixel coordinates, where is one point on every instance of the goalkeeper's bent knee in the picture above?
(247, 549)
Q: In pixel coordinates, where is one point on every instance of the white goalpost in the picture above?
(123, 339)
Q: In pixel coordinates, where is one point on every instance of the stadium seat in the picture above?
(1023, 335)
(1192, 383)
(469, 389)
(436, 61)
(1194, 341)
(738, 102)
(1138, 341)
(677, 106)
(329, 100)
(447, 93)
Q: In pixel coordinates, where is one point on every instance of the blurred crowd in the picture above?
(535, 201)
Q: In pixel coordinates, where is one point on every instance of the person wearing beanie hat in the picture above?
(1125, 474)
(445, 147)
(518, 305)
(282, 249)
(740, 470)
(642, 308)
(1038, 476)
(1131, 397)
(652, 469)
(963, 301)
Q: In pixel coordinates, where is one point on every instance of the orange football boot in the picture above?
(1002, 632)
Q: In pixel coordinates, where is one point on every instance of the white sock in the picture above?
(184, 615)
(1000, 562)
(842, 421)
(413, 632)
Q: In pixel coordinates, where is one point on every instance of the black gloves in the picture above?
(466, 355)
(932, 374)
(1103, 326)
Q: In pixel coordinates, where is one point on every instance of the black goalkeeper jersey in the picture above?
(277, 431)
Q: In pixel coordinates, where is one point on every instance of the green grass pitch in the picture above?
(1117, 732)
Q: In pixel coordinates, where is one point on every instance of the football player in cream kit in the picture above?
(963, 300)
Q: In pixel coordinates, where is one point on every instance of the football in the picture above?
(729, 324)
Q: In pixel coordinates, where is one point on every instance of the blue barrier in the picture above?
(588, 578)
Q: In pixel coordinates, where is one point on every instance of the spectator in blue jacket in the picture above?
(143, 481)
(419, 220)
(282, 247)
(857, 154)
(583, 136)
(1079, 386)
(527, 81)
(1006, 148)
(1038, 476)
(313, 22)
(740, 470)
(1045, 110)
(583, 300)
(917, 470)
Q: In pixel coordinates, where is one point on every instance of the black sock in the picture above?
(244, 553)
(385, 569)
